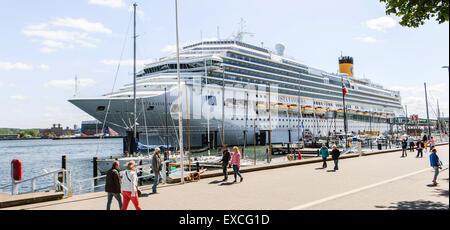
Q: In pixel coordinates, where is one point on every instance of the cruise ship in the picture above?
(244, 91)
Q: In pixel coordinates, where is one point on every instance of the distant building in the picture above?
(93, 128)
(57, 130)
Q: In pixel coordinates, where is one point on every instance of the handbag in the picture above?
(139, 193)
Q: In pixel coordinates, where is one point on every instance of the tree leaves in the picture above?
(414, 13)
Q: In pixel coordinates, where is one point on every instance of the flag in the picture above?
(344, 89)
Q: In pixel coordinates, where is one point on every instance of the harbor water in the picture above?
(45, 154)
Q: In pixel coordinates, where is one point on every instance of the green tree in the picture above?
(414, 13)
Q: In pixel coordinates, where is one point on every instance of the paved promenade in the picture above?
(384, 181)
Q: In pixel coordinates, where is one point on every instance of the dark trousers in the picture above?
(225, 174)
(336, 161)
(404, 153)
(419, 152)
(411, 147)
(324, 165)
(118, 198)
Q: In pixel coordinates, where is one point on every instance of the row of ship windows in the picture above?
(290, 87)
(332, 80)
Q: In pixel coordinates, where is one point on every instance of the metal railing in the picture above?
(64, 185)
(80, 186)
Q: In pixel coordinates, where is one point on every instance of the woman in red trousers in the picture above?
(129, 186)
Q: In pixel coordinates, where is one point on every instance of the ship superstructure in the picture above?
(247, 90)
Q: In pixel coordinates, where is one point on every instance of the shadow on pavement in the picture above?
(416, 205)
(319, 168)
(226, 183)
(331, 170)
(215, 182)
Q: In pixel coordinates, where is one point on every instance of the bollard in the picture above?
(140, 173)
(289, 148)
(63, 163)
(95, 166)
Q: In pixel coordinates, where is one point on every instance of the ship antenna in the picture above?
(240, 35)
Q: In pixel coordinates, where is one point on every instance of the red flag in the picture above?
(344, 89)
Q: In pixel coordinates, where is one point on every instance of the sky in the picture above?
(45, 44)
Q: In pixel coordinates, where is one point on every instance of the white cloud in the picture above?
(381, 23)
(129, 62)
(44, 67)
(18, 97)
(14, 66)
(53, 44)
(82, 24)
(367, 39)
(169, 49)
(70, 84)
(53, 38)
(414, 98)
(108, 3)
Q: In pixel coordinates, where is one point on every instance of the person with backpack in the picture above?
(113, 185)
(324, 153)
(335, 153)
(420, 146)
(404, 146)
(129, 186)
(436, 164)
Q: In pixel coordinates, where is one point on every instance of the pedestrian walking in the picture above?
(436, 164)
(425, 146)
(404, 146)
(425, 138)
(420, 146)
(156, 167)
(335, 153)
(113, 185)
(432, 143)
(225, 161)
(324, 153)
(129, 186)
(236, 162)
(411, 144)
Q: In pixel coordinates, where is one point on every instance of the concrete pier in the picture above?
(378, 180)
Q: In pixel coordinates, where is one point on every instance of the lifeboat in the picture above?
(366, 113)
(359, 112)
(261, 106)
(332, 109)
(280, 107)
(307, 109)
(293, 108)
(320, 111)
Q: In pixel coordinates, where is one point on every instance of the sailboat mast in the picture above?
(180, 118)
(134, 72)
